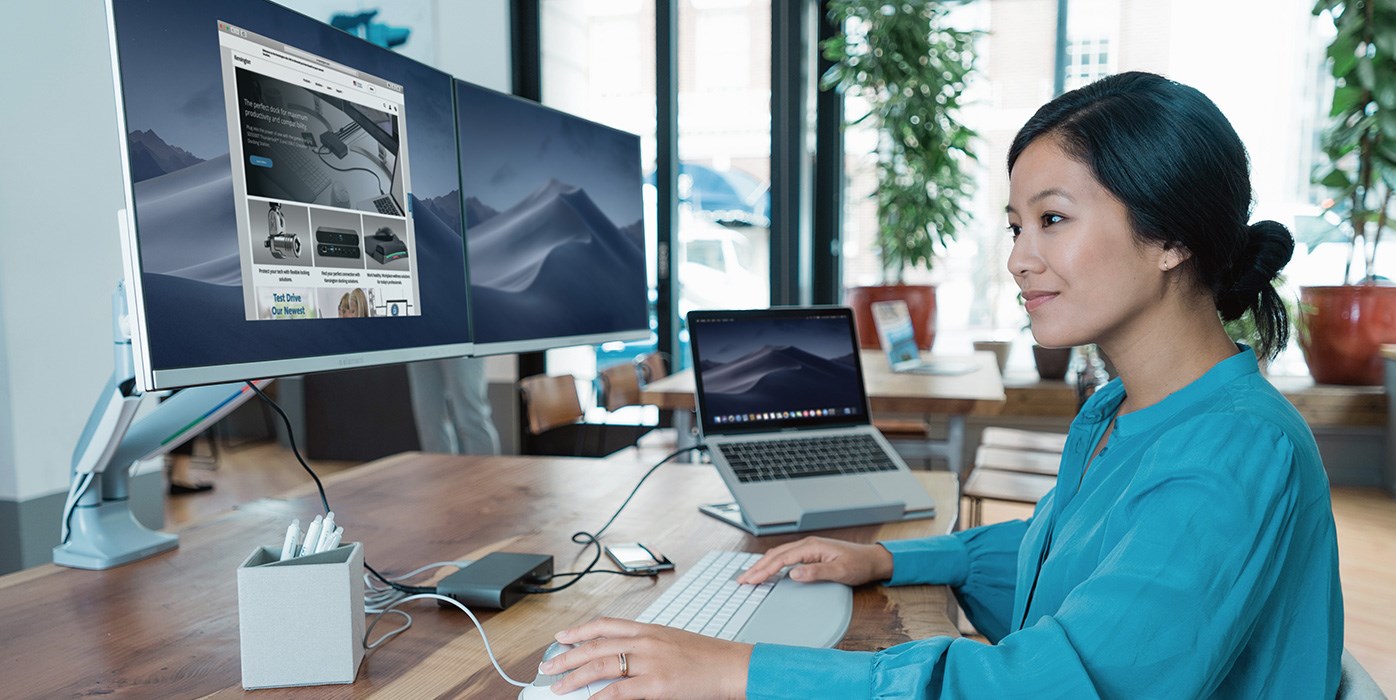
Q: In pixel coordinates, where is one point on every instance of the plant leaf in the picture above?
(1336, 179)
(1344, 99)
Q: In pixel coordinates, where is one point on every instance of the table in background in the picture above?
(167, 626)
(957, 396)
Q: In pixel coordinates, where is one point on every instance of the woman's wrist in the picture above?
(882, 564)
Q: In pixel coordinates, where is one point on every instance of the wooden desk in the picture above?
(167, 626)
(955, 396)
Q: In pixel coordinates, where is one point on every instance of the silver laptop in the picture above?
(386, 203)
(782, 408)
(898, 337)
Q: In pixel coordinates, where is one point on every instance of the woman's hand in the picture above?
(661, 662)
(823, 559)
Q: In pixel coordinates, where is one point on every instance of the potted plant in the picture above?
(1341, 328)
(910, 67)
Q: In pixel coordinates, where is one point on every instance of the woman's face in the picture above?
(348, 308)
(1083, 275)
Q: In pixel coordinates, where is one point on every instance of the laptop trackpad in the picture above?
(819, 495)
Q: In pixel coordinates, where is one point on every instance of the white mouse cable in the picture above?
(452, 601)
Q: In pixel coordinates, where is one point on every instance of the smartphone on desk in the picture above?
(633, 557)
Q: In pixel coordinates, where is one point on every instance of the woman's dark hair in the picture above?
(1166, 152)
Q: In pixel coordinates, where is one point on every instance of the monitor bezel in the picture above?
(506, 347)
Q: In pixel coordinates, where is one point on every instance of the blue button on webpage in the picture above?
(260, 161)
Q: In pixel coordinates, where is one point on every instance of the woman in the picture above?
(1188, 549)
(353, 304)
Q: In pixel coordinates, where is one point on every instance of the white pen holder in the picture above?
(301, 621)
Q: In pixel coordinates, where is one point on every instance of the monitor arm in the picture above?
(98, 529)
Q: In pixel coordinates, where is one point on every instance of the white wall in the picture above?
(59, 191)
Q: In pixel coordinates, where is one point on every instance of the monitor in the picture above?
(293, 196)
(554, 225)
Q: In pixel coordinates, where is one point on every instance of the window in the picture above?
(724, 156)
(598, 62)
(1259, 60)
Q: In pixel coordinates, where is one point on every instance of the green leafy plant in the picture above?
(1360, 139)
(911, 68)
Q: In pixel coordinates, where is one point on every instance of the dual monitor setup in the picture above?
(299, 200)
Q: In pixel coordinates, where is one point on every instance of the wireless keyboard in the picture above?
(707, 600)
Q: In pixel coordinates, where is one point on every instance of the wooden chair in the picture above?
(1018, 466)
(550, 401)
(620, 386)
(555, 421)
(652, 367)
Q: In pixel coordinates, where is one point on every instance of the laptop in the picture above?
(386, 203)
(783, 411)
(898, 337)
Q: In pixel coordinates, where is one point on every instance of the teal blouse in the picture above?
(1196, 558)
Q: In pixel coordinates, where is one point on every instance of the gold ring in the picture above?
(624, 666)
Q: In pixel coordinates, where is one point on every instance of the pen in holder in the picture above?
(301, 621)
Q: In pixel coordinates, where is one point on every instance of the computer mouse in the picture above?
(384, 234)
(540, 690)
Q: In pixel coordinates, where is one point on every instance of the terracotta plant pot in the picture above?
(1051, 362)
(1342, 330)
(920, 303)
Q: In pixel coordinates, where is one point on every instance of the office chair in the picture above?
(555, 421)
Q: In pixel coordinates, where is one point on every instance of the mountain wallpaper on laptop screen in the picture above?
(780, 379)
(779, 365)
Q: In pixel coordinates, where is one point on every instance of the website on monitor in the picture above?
(319, 159)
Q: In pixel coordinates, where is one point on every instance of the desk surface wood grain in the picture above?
(167, 626)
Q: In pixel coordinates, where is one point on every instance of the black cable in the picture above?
(321, 153)
(291, 437)
(324, 500)
(585, 538)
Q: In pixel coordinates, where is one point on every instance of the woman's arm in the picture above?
(1202, 536)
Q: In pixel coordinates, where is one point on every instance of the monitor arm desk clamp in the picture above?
(99, 530)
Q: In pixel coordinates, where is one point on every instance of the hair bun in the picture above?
(1269, 246)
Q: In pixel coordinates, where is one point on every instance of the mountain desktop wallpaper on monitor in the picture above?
(209, 285)
(554, 223)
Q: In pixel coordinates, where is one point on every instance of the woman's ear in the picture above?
(1173, 256)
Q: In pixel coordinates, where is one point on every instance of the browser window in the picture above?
(319, 157)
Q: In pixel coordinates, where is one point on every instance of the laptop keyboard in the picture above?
(386, 205)
(707, 600)
(306, 169)
(771, 460)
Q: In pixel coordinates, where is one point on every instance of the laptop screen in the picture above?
(757, 371)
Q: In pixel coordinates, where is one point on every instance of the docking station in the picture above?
(497, 580)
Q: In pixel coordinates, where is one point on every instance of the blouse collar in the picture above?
(1108, 398)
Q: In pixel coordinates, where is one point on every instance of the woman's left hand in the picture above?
(661, 662)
